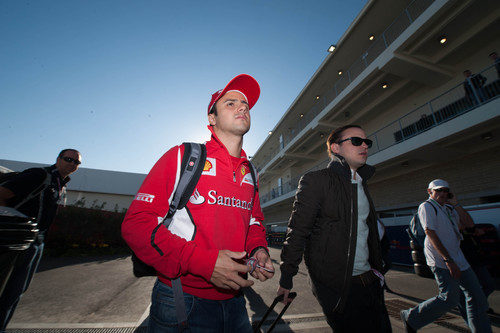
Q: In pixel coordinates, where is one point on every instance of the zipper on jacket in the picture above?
(234, 176)
(347, 284)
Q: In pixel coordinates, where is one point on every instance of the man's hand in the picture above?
(454, 270)
(225, 274)
(284, 292)
(452, 201)
(436, 242)
(263, 260)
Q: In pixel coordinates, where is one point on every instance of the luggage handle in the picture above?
(277, 299)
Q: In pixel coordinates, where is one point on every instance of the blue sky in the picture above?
(123, 81)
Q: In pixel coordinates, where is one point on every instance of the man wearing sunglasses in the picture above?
(442, 218)
(334, 225)
(34, 192)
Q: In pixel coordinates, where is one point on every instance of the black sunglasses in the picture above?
(71, 160)
(445, 190)
(357, 141)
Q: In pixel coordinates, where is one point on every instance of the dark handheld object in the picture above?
(17, 231)
(278, 299)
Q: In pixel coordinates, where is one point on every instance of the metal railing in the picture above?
(456, 101)
(460, 99)
(394, 30)
(290, 185)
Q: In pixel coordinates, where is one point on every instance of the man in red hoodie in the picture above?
(208, 240)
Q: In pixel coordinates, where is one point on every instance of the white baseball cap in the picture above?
(438, 183)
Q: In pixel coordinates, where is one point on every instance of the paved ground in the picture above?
(102, 295)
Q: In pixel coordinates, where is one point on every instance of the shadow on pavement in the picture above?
(408, 297)
(259, 308)
(48, 263)
(402, 268)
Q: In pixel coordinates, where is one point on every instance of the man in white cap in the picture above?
(226, 218)
(442, 218)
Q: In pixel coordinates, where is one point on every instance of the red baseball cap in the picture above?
(242, 83)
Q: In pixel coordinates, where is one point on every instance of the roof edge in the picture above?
(344, 36)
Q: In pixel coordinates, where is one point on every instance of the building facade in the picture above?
(398, 71)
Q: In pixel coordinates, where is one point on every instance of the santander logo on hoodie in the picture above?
(215, 199)
(196, 198)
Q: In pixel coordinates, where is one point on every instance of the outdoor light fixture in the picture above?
(332, 48)
(270, 132)
(301, 115)
(443, 39)
(317, 96)
(385, 85)
(371, 37)
(340, 72)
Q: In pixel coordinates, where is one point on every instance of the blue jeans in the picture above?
(449, 297)
(19, 280)
(485, 280)
(204, 315)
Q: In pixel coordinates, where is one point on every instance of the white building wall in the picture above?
(93, 188)
(102, 201)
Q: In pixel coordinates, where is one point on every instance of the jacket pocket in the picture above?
(321, 238)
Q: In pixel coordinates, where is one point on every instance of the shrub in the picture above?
(86, 231)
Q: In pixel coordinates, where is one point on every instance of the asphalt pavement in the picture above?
(102, 295)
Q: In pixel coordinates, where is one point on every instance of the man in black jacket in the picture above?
(334, 225)
(34, 192)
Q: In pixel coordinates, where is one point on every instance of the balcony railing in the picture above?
(290, 185)
(393, 31)
(454, 102)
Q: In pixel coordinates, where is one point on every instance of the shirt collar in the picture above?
(358, 179)
(217, 140)
(55, 172)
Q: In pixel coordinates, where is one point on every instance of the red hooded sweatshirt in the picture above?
(222, 214)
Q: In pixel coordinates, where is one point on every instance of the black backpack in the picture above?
(17, 231)
(417, 238)
(416, 230)
(38, 191)
(192, 164)
(5, 177)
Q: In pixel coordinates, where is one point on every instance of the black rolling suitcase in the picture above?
(278, 299)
